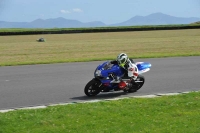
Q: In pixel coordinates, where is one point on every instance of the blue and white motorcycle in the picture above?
(108, 77)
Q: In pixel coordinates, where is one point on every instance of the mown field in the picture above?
(59, 48)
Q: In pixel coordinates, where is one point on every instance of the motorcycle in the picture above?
(108, 77)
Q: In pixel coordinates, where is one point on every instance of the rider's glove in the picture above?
(113, 62)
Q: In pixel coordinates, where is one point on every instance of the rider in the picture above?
(128, 64)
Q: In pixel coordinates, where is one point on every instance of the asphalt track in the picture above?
(34, 85)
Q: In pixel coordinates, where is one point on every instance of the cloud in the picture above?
(77, 10)
(65, 11)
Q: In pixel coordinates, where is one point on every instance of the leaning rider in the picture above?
(128, 64)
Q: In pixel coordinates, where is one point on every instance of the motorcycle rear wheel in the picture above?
(139, 84)
(92, 88)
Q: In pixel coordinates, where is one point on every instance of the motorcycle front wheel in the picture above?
(92, 88)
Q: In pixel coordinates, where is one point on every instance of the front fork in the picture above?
(99, 84)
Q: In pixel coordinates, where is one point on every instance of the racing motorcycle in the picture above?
(108, 77)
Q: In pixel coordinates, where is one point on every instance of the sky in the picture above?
(106, 11)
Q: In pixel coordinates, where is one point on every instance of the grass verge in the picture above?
(166, 114)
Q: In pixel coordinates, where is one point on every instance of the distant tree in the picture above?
(198, 22)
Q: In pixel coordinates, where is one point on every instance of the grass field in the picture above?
(19, 50)
(167, 114)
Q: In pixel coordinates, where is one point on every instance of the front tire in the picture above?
(92, 88)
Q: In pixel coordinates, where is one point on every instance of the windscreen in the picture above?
(107, 66)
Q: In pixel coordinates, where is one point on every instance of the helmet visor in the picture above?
(122, 62)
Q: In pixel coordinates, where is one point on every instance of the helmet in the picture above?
(122, 59)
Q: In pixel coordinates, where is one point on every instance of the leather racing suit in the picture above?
(130, 68)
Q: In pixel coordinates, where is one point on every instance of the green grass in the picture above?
(22, 50)
(167, 114)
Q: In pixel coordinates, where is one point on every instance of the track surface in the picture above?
(23, 86)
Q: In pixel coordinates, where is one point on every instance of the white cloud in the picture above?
(41, 15)
(77, 10)
(65, 11)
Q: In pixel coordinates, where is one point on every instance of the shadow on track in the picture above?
(103, 96)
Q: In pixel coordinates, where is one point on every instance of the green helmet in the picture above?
(122, 59)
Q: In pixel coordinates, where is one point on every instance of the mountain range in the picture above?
(152, 19)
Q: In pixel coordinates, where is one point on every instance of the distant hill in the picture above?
(51, 23)
(152, 19)
(157, 19)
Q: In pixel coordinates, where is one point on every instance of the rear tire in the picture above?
(138, 85)
(92, 88)
(141, 83)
